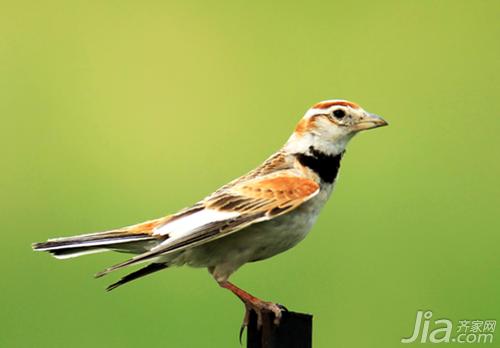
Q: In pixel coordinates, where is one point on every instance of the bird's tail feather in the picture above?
(151, 268)
(135, 239)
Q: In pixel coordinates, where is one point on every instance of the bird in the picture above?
(254, 217)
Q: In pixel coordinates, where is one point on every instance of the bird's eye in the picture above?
(338, 114)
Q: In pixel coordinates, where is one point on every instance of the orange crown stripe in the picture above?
(327, 104)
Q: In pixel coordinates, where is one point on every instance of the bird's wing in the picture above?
(227, 211)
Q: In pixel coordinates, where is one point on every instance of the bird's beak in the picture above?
(369, 121)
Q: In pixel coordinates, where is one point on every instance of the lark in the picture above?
(258, 215)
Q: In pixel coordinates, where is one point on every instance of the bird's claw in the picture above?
(260, 308)
(282, 307)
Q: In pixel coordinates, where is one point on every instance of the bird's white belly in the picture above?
(256, 242)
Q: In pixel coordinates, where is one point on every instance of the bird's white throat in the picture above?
(303, 143)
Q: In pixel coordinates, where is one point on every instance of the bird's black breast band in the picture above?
(326, 166)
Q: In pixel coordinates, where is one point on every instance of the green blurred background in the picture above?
(113, 112)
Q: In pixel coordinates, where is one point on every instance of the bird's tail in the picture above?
(133, 239)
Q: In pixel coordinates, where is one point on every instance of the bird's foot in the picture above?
(260, 308)
(254, 304)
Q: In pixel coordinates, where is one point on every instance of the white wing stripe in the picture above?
(183, 226)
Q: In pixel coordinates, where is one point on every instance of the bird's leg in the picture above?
(253, 303)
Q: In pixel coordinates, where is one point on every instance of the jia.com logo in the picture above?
(441, 330)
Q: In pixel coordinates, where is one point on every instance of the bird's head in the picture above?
(329, 125)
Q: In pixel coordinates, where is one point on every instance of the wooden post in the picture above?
(294, 331)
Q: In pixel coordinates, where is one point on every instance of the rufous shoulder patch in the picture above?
(281, 187)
